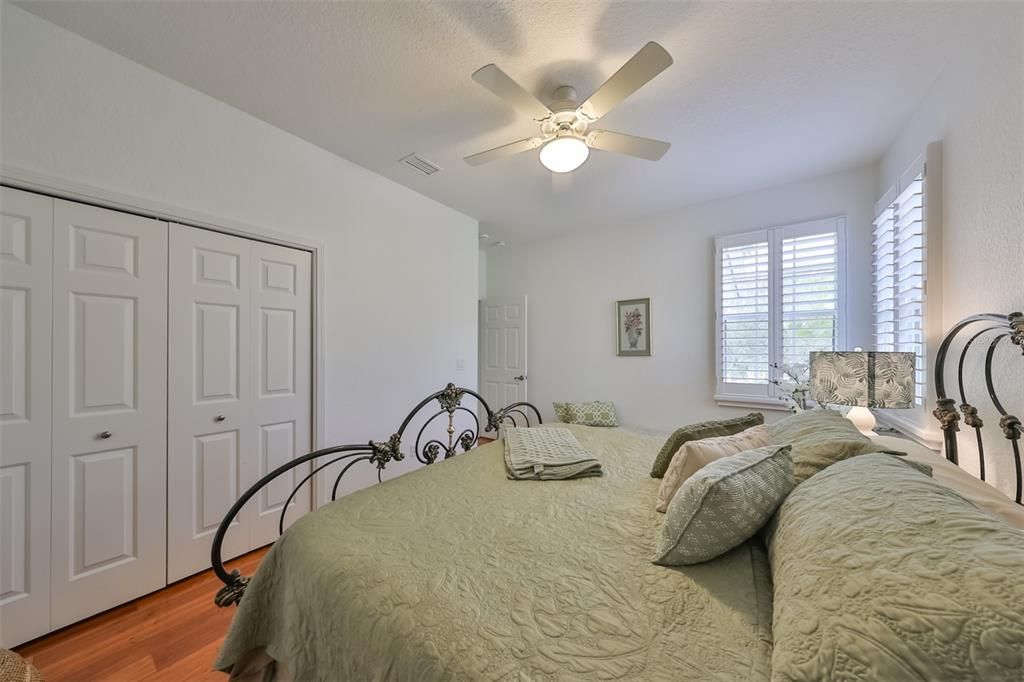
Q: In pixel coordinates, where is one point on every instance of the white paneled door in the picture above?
(503, 350)
(109, 409)
(25, 293)
(240, 388)
(281, 407)
(208, 395)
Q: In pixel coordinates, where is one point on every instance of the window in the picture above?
(899, 264)
(779, 296)
(744, 313)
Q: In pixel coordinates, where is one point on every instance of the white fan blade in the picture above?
(498, 82)
(620, 143)
(651, 60)
(504, 151)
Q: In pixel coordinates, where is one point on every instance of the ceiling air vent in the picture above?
(418, 163)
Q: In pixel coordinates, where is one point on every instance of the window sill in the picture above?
(765, 403)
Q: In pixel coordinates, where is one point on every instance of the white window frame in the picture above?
(766, 395)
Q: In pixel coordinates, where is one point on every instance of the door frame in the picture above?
(60, 188)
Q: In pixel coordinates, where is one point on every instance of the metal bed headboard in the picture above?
(995, 328)
(377, 452)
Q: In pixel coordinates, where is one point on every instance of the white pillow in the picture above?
(695, 454)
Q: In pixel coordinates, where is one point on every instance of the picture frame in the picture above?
(633, 327)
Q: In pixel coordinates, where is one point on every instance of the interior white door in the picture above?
(26, 230)
(209, 441)
(282, 381)
(109, 465)
(503, 377)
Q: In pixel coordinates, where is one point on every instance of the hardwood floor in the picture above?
(170, 635)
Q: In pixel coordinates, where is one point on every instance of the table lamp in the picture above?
(863, 380)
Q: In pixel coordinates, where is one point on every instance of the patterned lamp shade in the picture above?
(884, 380)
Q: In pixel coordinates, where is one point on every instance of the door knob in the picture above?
(219, 418)
(520, 378)
(105, 434)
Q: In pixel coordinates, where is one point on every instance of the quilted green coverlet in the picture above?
(881, 573)
(454, 572)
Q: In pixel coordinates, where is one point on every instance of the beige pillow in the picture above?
(695, 454)
(710, 429)
(819, 438)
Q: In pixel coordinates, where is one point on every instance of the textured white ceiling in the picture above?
(760, 93)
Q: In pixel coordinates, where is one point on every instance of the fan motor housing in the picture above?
(564, 118)
(564, 99)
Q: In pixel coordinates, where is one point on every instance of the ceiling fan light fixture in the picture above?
(565, 138)
(564, 154)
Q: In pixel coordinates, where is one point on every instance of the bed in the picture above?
(454, 572)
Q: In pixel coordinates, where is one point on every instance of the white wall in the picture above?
(572, 283)
(397, 317)
(976, 109)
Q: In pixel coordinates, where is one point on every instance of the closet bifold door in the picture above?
(240, 389)
(283, 386)
(209, 443)
(109, 409)
(26, 228)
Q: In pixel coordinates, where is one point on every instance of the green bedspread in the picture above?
(454, 572)
(882, 573)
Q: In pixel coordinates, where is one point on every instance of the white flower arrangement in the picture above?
(794, 385)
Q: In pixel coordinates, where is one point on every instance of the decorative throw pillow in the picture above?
(819, 438)
(562, 412)
(694, 455)
(725, 427)
(593, 413)
(724, 504)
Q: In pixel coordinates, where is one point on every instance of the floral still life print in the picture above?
(633, 327)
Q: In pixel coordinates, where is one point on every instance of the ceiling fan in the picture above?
(566, 138)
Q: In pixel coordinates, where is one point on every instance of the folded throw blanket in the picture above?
(546, 454)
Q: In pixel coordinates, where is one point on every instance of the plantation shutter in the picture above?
(743, 324)
(884, 278)
(899, 277)
(779, 297)
(810, 295)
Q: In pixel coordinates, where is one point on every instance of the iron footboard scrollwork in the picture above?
(511, 415)
(993, 328)
(381, 453)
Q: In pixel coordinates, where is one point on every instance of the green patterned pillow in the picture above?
(562, 412)
(724, 504)
(819, 438)
(709, 429)
(593, 413)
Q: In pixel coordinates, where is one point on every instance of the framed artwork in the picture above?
(633, 327)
